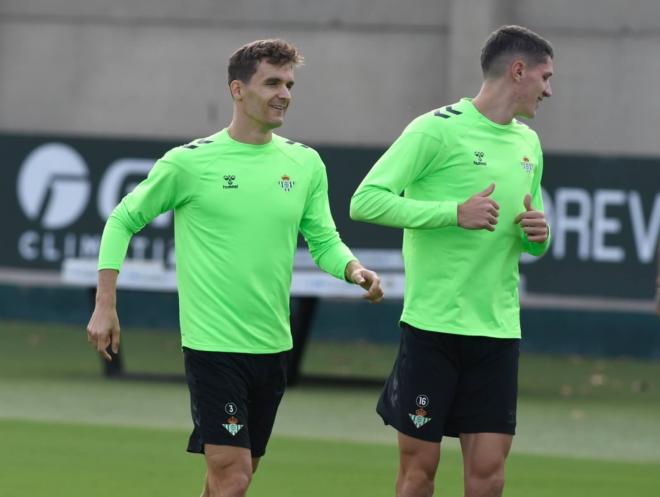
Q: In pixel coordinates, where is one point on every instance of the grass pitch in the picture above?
(586, 427)
(71, 460)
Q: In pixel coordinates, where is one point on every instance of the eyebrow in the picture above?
(278, 80)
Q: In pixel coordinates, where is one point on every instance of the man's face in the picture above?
(266, 97)
(533, 87)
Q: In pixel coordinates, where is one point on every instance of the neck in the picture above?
(495, 100)
(245, 133)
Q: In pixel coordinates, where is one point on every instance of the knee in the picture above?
(231, 483)
(485, 483)
(497, 484)
(416, 482)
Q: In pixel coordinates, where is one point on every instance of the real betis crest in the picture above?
(286, 183)
(232, 426)
(526, 165)
(419, 419)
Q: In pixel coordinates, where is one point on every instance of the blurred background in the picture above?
(92, 92)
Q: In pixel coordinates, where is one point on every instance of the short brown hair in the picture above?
(510, 41)
(243, 62)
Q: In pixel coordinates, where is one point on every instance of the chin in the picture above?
(275, 123)
(528, 114)
(277, 119)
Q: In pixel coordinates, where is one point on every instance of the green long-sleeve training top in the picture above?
(237, 212)
(457, 281)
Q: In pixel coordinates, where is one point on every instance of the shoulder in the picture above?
(439, 121)
(525, 130)
(297, 152)
(527, 133)
(194, 153)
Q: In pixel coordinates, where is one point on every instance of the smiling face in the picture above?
(532, 85)
(262, 102)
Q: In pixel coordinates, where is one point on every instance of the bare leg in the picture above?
(206, 492)
(484, 455)
(229, 471)
(418, 462)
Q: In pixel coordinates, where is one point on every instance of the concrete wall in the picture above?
(156, 68)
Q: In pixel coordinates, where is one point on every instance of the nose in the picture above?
(284, 93)
(548, 91)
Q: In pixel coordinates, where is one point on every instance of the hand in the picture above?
(479, 211)
(367, 279)
(532, 222)
(103, 330)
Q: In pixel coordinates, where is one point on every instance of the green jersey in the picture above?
(237, 212)
(457, 281)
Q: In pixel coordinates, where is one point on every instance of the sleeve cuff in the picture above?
(448, 213)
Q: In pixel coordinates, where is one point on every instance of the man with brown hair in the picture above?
(471, 178)
(240, 198)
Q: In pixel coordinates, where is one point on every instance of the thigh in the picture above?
(228, 469)
(419, 393)
(487, 389)
(484, 454)
(418, 455)
(264, 400)
(224, 459)
(219, 384)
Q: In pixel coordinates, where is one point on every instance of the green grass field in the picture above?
(586, 427)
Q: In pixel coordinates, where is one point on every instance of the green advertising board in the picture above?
(604, 212)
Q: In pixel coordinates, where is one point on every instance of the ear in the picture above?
(517, 67)
(236, 89)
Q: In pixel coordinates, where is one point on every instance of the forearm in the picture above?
(317, 226)
(103, 327)
(114, 241)
(333, 258)
(106, 289)
(379, 206)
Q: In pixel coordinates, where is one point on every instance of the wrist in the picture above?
(104, 299)
(351, 267)
(458, 215)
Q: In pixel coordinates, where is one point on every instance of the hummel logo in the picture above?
(229, 180)
(479, 159)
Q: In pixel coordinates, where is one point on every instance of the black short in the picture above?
(234, 398)
(447, 384)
